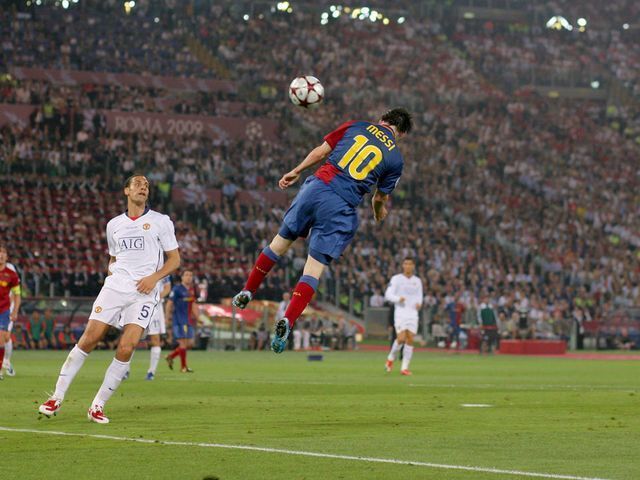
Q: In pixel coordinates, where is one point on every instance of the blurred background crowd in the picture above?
(520, 188)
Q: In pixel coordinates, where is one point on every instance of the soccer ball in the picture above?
(306, 92)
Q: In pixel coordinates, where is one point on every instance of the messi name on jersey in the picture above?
(383, 137)
(131, 243)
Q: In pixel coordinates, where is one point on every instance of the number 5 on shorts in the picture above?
(144, 312)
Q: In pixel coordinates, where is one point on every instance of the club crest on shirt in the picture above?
(98, 309)
(146, 226)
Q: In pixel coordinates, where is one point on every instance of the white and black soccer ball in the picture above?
(306, 92)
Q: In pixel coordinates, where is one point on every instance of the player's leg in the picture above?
(302, 294)
(6, 360)
(395, 348)
(155, 351)
(185, 344)
(93, 334)
(8, 351)
(407, 353)
(179, 331)
(131, 335)
(269, 257)
(4, 337)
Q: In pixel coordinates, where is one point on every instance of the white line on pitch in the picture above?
(476, 405)
(306, 454)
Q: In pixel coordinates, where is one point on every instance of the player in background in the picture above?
(405, 292)
(9, 308)
(8, 346)
(182, 309)
(136, 240)
(156, 328)
(360, 156)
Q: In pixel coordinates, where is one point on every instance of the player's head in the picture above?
(400, 119)
(187, 277)
(136, 188)
(3, 254)
(408, 266)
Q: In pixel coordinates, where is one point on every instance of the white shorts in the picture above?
(402, 324)
(119, 309)
(157, 325)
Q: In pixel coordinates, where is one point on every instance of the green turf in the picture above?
(571, 417)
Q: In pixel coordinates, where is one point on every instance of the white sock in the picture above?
(69, 369)
(8, 350)
(393, 353)
(112, 379)
(154, 357)
(406, 356)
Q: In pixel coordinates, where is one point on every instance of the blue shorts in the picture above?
(324, 217)
(4, 321)
(182, 331)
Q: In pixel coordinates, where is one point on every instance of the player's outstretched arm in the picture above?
(314, 157)
(378, 202)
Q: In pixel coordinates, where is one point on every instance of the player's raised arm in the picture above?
(314, 157)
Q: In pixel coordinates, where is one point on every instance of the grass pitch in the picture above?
(577, 418)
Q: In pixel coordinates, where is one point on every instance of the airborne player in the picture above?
(360, 156)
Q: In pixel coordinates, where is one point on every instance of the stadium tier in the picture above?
(510, 192)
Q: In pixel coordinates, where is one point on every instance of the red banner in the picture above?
(15, 114)
(217, 128)
(77, 77)
(214, 195)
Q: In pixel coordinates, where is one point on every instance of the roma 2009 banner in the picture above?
(217, 128)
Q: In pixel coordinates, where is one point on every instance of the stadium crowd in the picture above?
(524, 200)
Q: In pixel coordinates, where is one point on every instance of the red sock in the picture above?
(175, 353)
(302, 295)
(183, 357)
(265, 262)
(1, 357)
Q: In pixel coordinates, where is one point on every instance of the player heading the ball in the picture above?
(359, 156)
(137, 240)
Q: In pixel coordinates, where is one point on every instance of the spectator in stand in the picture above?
(66, 338)
(36, 327)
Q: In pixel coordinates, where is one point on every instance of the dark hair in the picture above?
(128, 181)
(400, 118)
(409, 259)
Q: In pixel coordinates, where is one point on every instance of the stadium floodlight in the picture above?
(401, 20)
(558, 22)
(336, 14)
(595, 84)
(582, 22)
(65, 4)
(625, 26)
(385, 21)
(156, 20)
(245, 17)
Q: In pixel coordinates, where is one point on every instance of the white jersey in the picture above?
(409, 288)
(138, 247)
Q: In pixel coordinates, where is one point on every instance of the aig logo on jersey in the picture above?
(131, 243)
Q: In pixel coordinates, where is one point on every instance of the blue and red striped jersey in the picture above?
(183, 299)
(364, 155)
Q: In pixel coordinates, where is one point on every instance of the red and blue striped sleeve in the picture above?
(334, 137)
